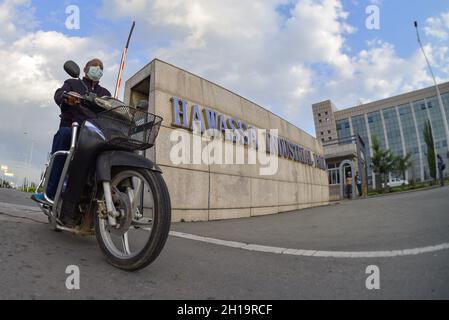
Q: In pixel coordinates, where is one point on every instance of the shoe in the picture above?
(39, 197)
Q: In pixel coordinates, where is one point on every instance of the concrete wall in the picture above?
(324, 118)
(211, 192)
(335, 193)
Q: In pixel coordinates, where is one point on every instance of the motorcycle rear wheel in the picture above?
(158, 226)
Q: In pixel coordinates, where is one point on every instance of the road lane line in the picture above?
(260, 248)
(313, 253)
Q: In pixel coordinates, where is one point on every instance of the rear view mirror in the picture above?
(72, 69)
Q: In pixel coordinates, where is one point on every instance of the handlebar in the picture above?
(68, 95)
(90, 100)
(89, 97)
(74, 95)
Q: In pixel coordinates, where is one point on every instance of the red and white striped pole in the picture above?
(122, 63)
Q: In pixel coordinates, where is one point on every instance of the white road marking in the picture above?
(313, 253)
(18, 210)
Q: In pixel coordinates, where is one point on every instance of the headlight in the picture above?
(94, 128)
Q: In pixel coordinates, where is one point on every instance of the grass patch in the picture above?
(31, 190)
(405, 188)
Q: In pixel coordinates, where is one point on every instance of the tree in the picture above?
(403, 164)
(431, 159)
(383, 161)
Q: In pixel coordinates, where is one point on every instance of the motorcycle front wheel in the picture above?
(142, 198)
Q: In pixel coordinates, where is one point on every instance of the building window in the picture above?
(328, 131)
(333, 165)
(319, 114)
(334, 177)
(330, 138)
(322, 133)
(322, 140)
(343, 129)
(320, 121)
(326, 113)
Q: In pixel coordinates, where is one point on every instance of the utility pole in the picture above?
(440, 100)
(30, 157)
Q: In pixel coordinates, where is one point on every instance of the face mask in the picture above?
(95, 73)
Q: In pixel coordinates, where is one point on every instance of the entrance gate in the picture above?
(343, 175)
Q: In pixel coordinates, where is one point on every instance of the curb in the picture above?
(404, 192)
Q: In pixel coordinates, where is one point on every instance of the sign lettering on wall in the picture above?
(209, 119)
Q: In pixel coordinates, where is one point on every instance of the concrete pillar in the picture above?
(351, 128)
(437, 172)
(402, 138)
(370, 145)
(418, 136)
(387, 144)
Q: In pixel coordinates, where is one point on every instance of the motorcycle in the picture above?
(108, 184)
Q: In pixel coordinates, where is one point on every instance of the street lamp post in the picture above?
(30, 158)
(440, 100)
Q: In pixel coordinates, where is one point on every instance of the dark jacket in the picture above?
(70, 114)
(441, 164)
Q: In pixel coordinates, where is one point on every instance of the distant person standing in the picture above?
(441, 168)
(358, 181)
(349, 185)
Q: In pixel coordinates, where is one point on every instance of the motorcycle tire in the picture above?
(160, 227)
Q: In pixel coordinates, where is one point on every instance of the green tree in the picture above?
(383, 161)
(431, 159)
(403, 164)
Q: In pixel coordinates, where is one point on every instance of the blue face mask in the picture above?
(95, 73)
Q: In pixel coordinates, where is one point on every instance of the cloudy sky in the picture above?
(282, 54)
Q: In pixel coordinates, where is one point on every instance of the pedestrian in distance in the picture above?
(349, 185)
(441, 168)
(358, 181)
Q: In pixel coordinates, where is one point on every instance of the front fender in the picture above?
(108, 160)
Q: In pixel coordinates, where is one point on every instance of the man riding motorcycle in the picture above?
(106, 187)
(72, 112)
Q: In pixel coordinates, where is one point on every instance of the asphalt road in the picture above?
(15, 197)
(33, 259)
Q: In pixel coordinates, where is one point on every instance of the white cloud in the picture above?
(34, 62)
(378, 73)
(247, 46)
(16, 16)
(31, 68)
(438, 27)
(285, 65)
